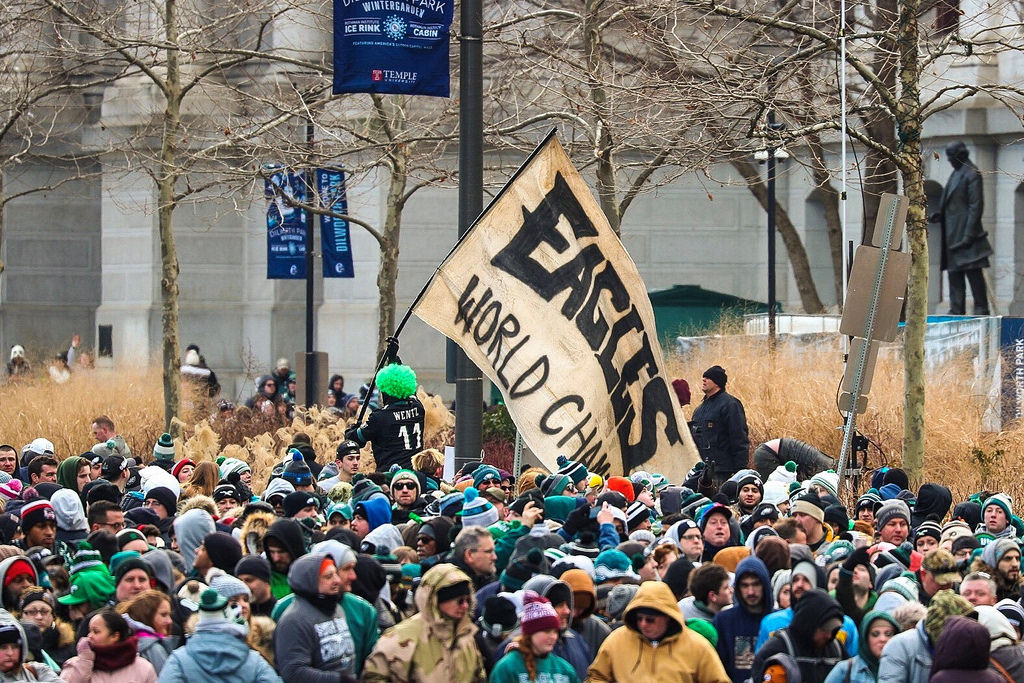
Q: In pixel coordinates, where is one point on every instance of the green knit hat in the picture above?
(397, 380)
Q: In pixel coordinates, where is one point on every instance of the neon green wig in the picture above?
(397, 380)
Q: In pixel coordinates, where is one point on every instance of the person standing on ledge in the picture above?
(965, 245)
(719, 427)
(396, 429)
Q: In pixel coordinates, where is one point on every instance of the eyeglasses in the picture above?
(647, 618)
(116, 526)
(489, 482)
(38, 612)
(404, 486)
(424, 540)
(486, 551)
(506, 488)
(464, 600)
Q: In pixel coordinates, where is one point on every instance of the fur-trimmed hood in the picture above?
(198, 503)
(253, 531)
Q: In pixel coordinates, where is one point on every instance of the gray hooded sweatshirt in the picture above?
(190, 529)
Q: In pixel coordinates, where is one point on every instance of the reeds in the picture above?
(791, 394)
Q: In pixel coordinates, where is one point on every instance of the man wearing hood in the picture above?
(325, 631)
(436, 645)
(655, 645)
(810, 639)
(369, 514)
(737, 628)
(283, 544)
(433, 541)
(14, 654)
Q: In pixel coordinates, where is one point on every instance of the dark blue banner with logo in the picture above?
(392, 47)
(286, 225)
(1011, 346)
(334, 234)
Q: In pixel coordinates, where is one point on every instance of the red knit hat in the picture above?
(181, 464)
(623, 486)
(538, 614)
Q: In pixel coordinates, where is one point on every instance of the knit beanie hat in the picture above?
(621, 485)
(636, 514)
(164, 448)
(524, 567)
(1003, 500)
(714, 508)
(809, 504)
(613, 564)
(476, 511)
(891, 509)
(889, 492)
(745, 477)
(995, 550)
(85, 558)
(296, 470)
(538, 614)
(165, 497)
(677, 576)
(225, 490)
(929, 528)
(229, 586)
(704, 628)
(836, 514)
(180, 465)
(132, 560)
(296, 501)
(828, 480)
(576, 471)
(499, 615)
(10, 490)
(481, 474)
(253, 565)
(36, 512)
(362, 488)
(780, 580)
(223, 550)
(895, 475)
(232, 466)
(944, 604)
(455, 590)
(870, 499)
(213, 608)
(619, 598)
(554, 484)
(717, 375)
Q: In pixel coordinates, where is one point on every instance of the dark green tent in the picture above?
(691, 309)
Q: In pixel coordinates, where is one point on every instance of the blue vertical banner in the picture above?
(1011, 346)
(334, 231)
(392, 47)
(286, 225)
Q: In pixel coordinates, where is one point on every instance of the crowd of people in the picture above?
(116, 566)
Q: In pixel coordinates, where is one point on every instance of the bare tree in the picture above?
(897, 61)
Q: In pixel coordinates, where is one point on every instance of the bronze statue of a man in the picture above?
(965, 245)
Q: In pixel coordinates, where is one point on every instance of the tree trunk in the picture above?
(809, 298)
(909, 123)
(607, 193)
(3, 206)
(387, 276)
(165, 180)
(833, 222)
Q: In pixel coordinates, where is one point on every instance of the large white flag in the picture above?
(543, 297)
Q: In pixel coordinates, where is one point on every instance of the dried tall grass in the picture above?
(795, 394)
(791, 395)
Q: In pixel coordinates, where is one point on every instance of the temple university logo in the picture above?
(378, 75)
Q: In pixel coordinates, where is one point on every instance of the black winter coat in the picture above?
(719, 428)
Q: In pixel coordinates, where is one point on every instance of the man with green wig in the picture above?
(396, 429)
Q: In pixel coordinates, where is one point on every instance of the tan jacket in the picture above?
(428, 647)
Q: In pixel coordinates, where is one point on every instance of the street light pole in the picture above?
(469, 393)
(771, 236)
(310, 360)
